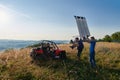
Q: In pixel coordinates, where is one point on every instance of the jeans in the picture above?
(92, 59)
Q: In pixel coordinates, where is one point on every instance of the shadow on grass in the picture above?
(80, 70)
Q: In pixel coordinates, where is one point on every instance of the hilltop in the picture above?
(16, 65)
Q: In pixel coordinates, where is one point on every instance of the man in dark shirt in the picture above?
(79, 44)
(80, 47)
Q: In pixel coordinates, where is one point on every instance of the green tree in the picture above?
(116, 36)
(107, 38)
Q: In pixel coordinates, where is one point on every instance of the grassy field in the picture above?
(16, 65)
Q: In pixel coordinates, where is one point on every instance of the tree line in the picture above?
(115, 37)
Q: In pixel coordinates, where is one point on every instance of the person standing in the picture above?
(79, 44)
(92, 42)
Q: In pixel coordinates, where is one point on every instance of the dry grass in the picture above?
(16, 65)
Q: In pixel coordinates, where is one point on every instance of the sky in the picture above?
(54, 19)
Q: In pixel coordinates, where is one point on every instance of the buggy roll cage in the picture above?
(48, 41)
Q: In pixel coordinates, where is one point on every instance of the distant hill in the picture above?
(8, 44)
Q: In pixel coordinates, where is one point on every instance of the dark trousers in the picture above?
(79, 52)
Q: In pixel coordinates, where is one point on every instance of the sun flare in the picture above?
(4, 17)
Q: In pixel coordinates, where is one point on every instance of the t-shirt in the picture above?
(92, 46)
(80, 45)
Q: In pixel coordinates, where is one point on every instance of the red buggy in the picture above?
(47, 50)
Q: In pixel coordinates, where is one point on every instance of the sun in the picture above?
(4, 17)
